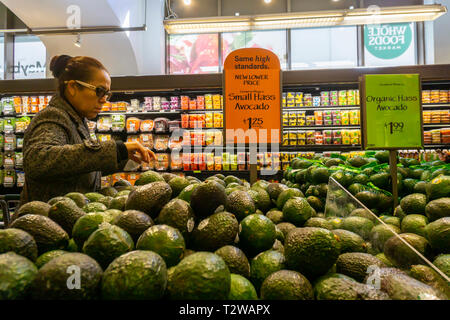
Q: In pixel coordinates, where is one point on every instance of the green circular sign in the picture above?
(387, 41)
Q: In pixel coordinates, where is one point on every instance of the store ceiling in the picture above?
(115, 48)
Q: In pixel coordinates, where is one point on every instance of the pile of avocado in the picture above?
(171, 237)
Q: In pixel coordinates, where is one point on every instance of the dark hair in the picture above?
(66, 68)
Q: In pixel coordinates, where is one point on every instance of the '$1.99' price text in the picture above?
(394, 127)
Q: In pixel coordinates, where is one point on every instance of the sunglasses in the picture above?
(99, 91)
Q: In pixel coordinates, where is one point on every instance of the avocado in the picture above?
(264, 264)
(391, 220)
(241, 204)
(278, 246)
(437, 209)
(177, 185)
(420, 187)
(404, 287)
(108, 191)
(110, 214)
(430, 277)
(415, 223)
(354, 188)
(241, 288)
(149, 177)
(401, 255)
(381, 180)
(123, 193)
(274, 189)
(357, 264)
(165, 241)
(207, 197)
(358, 225)
(219, 175)
(79, 198)
(136, 275)
(107, 243)
(316, 203)
(320, 175)
(286, 285)
(17, 274)
(167, 176)
(216, 231)
(349, 241)
(134, 222)
(339, 288)
(219, 181)
(297, 211)
(285, 227)
(52, 201)
(72, 246)
(438, 234)
(442, 261)
(53, 280)
(232, 179)
(34, 207)
(438, 187)
(149, 198)
(319, 223)
(382, 156)
(118, 203)
(201, 276)
(260, 184)
(106, 201)
(275, 216)
(257, 233)
(49, 255)
(364, 213)
(18, 241)
(121, 183)
(357, 161)
(95, 207)
(178, 214)
(235, 259)
(385, 260)
(186, 193)
(65, 213)
(398, 212)
(47, 233)
(93, 196)
(342, 177)
(380, 234)
(368, 198)
(287, 194)
(311, 251)
(414, 203)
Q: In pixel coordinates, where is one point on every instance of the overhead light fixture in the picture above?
(187, 2)
(267, 1)
(77, 42)
(342, 17)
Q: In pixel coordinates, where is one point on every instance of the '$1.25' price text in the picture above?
(394, 126)
(253, 122)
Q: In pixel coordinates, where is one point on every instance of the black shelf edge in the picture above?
(107, 113)
(436, 146)
(321, 127)
(320, 108)
(436, 125)
(201, 111)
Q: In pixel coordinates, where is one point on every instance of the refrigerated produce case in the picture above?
(320, 114)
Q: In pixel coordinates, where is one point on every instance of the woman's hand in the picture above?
(138, 153)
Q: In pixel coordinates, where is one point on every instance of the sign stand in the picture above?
(393, 169)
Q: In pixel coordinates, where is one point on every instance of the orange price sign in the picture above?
(252, 97)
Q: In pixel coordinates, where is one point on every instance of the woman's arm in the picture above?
(48, 156)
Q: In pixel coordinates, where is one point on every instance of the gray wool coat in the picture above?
(60, 156)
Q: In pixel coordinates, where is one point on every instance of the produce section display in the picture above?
(171, 237)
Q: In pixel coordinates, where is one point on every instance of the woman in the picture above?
(60, 154)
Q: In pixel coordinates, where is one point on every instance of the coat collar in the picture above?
(58, 102)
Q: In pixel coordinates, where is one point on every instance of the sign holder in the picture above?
(252, 99)
(390, 143)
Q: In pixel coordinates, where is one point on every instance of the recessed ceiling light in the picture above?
(236, 14)
(267, 1)
(187, 2)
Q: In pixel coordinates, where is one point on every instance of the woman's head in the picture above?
(77, 79)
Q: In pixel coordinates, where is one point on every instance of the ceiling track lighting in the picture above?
(341, 17)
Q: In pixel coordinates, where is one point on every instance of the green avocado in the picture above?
(149, 198)
(241, 289)
(18, 241)
(235, 259)
(17, 274)
(286, 285)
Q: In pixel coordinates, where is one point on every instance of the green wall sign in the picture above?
(387, 41)
(392, 112)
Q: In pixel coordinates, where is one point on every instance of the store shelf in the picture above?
(436, 125)
(105, 113)
(436, 106)
(321, 108)
(437, 146)
(322, 148)
(320, 127)
(201, 110)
